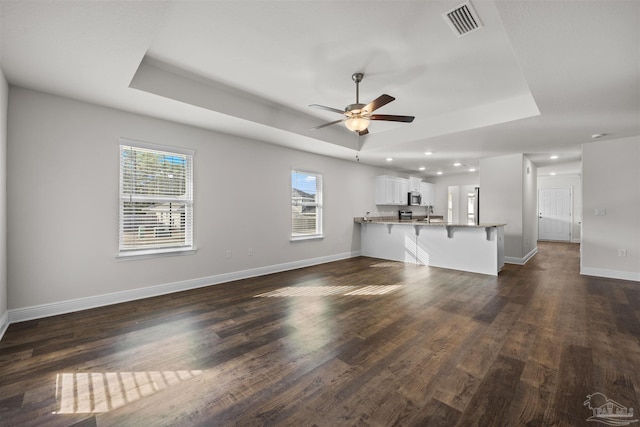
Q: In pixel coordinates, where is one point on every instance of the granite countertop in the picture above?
(437, 222)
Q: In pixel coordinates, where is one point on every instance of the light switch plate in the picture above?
(601, 212)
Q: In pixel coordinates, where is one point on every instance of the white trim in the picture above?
(318, 204)
(611, 274)
(157, 147)
(308, 237)
(4, 323)
(61, 307)
(521, 261)
(153, 253)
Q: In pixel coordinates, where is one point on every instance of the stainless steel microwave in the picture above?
(414, 198)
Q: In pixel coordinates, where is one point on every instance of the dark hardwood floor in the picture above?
(359, 342)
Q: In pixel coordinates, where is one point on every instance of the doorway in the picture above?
(554, 214)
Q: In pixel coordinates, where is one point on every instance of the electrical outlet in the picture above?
(250, 252)
(228, 254)
(622, 252)
(600, 212)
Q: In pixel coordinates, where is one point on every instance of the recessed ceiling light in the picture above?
(552, 173)
(555, 156)
(439, 173)
(598, 135)
(472, 169)
(389, 159)
(428, 153)
(457, 164)
(421, 168)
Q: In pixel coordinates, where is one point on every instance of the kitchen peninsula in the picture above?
(467, 247)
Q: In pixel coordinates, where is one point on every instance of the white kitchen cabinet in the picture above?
(391, 190)
(428, 192)
(414, 184)
(403, 197)
(384, 189)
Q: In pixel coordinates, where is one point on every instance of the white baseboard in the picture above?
(523, 260)
(610, 274)
(4, 323)
(62, 307)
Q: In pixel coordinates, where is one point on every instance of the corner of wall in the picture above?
(4, 323)
(4, 108)
(529, 206)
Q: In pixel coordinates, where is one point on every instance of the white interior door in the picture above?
(554, 214)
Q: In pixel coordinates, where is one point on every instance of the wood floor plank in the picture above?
(480, 358)
(529, 406)
(492, 399)
(277, 409)
(456, 389)
(575, 382)
(492, 309)
(436, 414)
(357, 342)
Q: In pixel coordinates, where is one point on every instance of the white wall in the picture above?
(501, 198)
(574, 183)
(4, 95)
(63, 165)
(508, 196)
(611, 181)
(443, 183)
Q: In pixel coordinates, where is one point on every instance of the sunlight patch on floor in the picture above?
(315, 291)
(96, 392)
(395, 264)
(375, 290)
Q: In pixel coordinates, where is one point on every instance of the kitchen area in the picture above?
(425, 239)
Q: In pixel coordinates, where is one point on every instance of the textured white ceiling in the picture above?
(540, 77)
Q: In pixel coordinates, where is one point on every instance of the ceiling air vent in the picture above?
(463, 19)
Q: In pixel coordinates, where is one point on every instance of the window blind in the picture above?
(306, 204)
(156, 200)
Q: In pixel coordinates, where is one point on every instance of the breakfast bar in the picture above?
(476, 248)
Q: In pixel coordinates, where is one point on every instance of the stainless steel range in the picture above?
(405, 215)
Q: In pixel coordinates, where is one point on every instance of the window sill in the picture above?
(302, 238)
(155, 253)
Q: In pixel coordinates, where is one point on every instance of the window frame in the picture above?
(188, 247)
(318, 204)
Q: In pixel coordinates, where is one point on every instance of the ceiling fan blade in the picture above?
(378, 102)
(363, 132)
(328, 124)
(390, 118)
(323, 107)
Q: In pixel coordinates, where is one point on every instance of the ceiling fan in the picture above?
(358, 116)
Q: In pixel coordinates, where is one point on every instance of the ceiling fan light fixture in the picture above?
(359, 115)
(357, 123)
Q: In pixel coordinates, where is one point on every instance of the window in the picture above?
(306, 205)
(156, 199)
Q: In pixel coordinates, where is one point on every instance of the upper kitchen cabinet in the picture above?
(414, 184)
(428, 192)
(391, 190)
